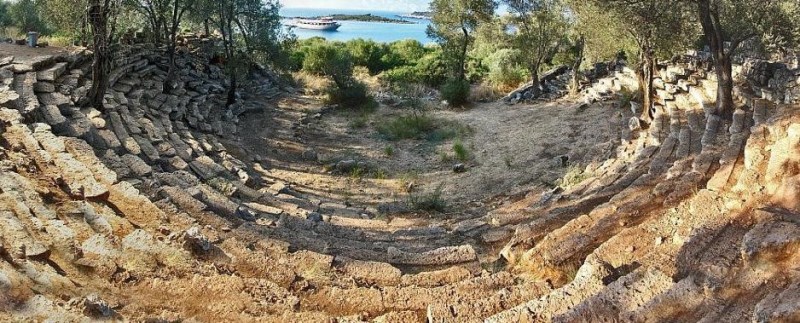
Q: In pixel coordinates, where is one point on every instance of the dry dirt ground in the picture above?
(513, 150)
(24, 53)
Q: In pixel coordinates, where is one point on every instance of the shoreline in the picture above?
(361, 18)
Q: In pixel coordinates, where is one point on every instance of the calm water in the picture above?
(377, 31)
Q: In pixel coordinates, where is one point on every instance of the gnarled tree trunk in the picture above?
(101, 64)
(576, 66)
(462, 70)
(645, 74)
(709, 20)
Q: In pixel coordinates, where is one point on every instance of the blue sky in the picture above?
(389, 5)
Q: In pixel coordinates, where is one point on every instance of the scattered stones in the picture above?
(634, 124)
(196, 241)
(95, 307)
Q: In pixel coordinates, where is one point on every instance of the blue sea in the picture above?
(377, 31)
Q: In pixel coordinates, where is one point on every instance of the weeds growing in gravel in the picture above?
(575, 175)
(462, 153)
(431, 201)
(420, 126)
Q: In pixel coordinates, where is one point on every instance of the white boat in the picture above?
(324, 23)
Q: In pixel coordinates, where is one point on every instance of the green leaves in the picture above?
(453, 24)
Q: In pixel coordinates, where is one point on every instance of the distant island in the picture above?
(365, 18)
(418, 15)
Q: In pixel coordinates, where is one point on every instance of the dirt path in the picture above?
(512, 149)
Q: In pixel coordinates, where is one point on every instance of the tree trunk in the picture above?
(177, 14)
(576, 67)
(645, 74)
(462, 74)
(170, 80)
(722, 61)
(724, 71)
(101, 64)
(232, 91)
(206, 28)
(535, 78)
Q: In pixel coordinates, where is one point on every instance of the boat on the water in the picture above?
(324, 23)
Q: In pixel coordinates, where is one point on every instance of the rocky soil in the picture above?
(168, 207)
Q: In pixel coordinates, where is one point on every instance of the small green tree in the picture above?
(653, 27)
(726, 25)
(335, 61)
(26, 15)
(453, 24)
(402, 53)
(541, 29)
(5, 17)
(67, 17)
(250, 31)
(367, 53)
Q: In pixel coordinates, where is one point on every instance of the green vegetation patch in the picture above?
(431, 201)
(421, 127)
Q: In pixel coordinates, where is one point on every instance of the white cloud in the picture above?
(389, 5)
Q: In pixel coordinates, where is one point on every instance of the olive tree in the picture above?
(453, 24)
(67, 17)
(541, 28)
(726, 24)
(102, 19)
(250, 31)
(651, 28)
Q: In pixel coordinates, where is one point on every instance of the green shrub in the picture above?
(367, 53)
(403, 52)
(626, 96)
(462, 154)
(505, 72)
(407, 127)
(421, 126)
(388, 151)
(353, 95)
(432, 69)
(400, 75)
(456, 92)
(328, 59)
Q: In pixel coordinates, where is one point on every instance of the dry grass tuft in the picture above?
(314, 85)
(485, 93)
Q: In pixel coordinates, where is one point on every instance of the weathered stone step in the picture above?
(779, 307)
(622, 299)
(589, 279)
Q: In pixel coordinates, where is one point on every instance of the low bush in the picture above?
(388, 151)
(352, 96)
(505, 71)
(462, 153)
(312, 84)
(456, 92)
(407, 127)
(432, 69)
(400, 75)
(485, 93)
(432, 201)
(421, 126)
